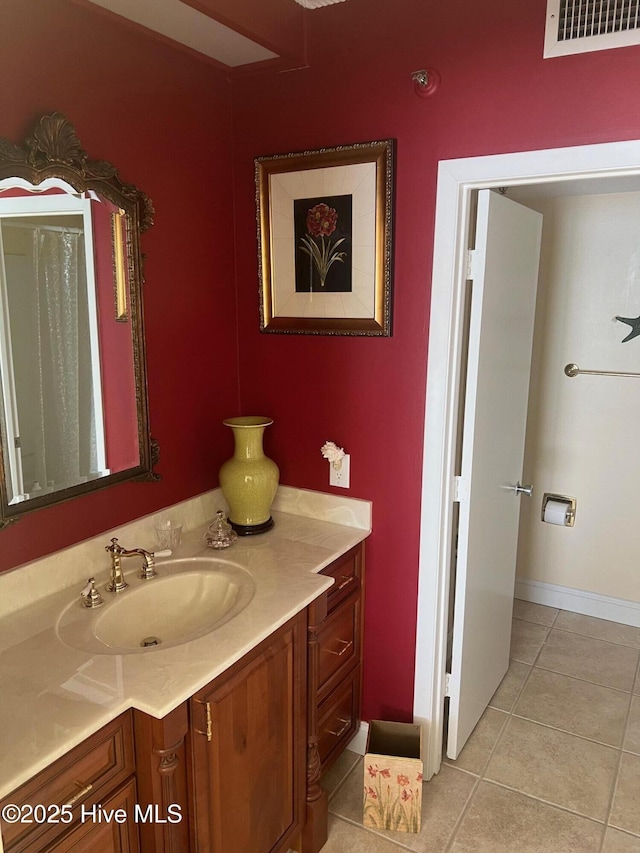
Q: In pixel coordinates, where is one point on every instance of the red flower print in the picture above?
(321, 220)
(402, 779)
(371, 792)
(386, 773)
(419, 777)
(372, 771)
(406, 795)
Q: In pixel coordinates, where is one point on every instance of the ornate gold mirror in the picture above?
(73, 391)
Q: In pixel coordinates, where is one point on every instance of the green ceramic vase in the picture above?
(249, 480)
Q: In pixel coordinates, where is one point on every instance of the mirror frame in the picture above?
(53, 150)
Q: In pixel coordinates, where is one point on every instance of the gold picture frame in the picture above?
(325, 240)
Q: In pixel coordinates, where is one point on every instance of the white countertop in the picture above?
(54, 696)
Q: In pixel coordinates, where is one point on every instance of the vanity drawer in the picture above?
(338, 719)
(339, 640)
(347, 572)
(84, 775)
(109, 837)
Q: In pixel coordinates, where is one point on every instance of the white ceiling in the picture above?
(186, 25)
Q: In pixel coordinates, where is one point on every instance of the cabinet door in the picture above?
(104, 836)
(248, 733)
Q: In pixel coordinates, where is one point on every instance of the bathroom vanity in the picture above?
(217, 744)
(224, 771)
(195, 710)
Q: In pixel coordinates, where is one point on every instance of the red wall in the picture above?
(166, 120)
(497, 94)
(163, 118)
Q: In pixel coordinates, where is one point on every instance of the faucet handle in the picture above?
(90, 594)
(148, 569)
(114, 548)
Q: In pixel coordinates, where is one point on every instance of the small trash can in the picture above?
(393, 777)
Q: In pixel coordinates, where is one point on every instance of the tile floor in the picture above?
(553, 766)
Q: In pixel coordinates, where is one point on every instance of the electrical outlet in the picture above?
(341, 477)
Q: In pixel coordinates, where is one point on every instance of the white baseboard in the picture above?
(358, 742)
(579, 601)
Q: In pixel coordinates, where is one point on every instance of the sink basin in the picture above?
(189, 598)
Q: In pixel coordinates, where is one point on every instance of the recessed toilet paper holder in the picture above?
(570, 516)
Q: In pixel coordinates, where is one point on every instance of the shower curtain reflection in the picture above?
(53, 335)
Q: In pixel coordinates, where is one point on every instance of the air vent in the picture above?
(578, 26)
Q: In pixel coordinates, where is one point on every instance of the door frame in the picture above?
(457, 181)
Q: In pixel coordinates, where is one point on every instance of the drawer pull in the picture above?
(346, 580)
(84, 790)
(208, 733)
(346, 645)
(343, 728)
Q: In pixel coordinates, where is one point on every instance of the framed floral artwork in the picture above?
(325, 240)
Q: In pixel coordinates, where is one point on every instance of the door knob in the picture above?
(523, 490)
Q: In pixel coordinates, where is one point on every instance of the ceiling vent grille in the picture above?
(577, 26)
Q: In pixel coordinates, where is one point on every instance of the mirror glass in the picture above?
(73, 411)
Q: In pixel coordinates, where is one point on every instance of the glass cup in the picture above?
(168, 534)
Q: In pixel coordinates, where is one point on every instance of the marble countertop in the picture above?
(55, 696)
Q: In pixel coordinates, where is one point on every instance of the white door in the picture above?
(503, 293)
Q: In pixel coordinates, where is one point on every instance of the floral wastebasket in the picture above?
(393, 777)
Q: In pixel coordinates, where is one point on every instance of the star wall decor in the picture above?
(634, 322)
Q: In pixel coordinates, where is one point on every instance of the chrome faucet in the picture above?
(117, 582)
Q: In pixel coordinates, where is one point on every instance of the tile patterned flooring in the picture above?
(553, 766)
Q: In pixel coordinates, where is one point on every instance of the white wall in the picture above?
(583, 435)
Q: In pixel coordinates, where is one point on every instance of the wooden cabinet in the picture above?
(334, 682)
(239, 764)
(161, 772)
(89, 775)
(112, 836)
(247, 749)
(339, 639)
(339, 719)
(339, 658)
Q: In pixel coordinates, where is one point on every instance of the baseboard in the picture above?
(358, 742)
(579, 601)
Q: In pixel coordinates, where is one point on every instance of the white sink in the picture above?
(189, 598)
